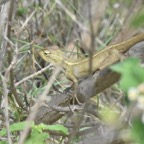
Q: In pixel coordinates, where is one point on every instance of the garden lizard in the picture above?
(75, 70)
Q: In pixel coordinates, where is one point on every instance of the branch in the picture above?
(86, 89)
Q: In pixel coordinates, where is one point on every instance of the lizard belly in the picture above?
(81, 71)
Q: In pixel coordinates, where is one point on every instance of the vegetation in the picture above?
(36, 105)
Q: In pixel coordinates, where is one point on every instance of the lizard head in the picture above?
(52, 54)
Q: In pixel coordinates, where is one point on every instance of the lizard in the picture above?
(76, 69)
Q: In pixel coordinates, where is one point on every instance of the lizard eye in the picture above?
(46, 53)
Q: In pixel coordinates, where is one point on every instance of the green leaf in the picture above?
(56, 127)
(37, 138)
(3, 142)
(137, 131)
(16, 127)
(132, 74)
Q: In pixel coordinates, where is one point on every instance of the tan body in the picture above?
(78, 69)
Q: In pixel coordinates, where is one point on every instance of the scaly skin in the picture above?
(101, 59)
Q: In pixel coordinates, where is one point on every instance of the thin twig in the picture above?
(92, 44)
(13, 62)
(32, 76)
(9, 71)
(67, 108)
(71, 15)
(41, 98)
(3, 20)
(9, 53)
(26, 22)
(9, 41)
(5, 94)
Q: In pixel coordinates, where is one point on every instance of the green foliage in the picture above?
(109, 115)
(39, 24)
(21, 11)
(137, 131)
(2, 142)
(56, 127)
(15, 127)
(132, 79)
(132, 74)
(138, 20)
(37, 135)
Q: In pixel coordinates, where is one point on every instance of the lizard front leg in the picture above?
(70, 76)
